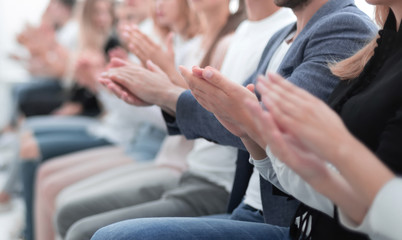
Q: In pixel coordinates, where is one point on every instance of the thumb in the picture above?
(169, 43)
(117, 62)
(251, 88)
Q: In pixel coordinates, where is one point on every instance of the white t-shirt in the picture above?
(67, 36)
(175, 149)
(121, 121)
(248, 43)
(253, 37)
(211, 161)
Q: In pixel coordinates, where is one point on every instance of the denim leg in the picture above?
(190, 229)
(28, 178)
(247, 213)
(50, 146)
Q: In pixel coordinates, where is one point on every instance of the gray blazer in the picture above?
(334, 33)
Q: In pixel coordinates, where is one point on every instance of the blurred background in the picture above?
(13, 17)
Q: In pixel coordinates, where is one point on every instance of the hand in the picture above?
(304, 116)
(118, 52)
(287, 148)
(87, 69)
(146, 49)
(150, 85)
(118, 90)
(68, 109)
(222, 97)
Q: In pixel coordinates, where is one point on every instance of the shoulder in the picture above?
(344, 22)
(220, 50)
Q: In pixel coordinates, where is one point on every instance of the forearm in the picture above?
(358, 166)
(336, 188)
(254, 149)
(168, 100)
(194, 121)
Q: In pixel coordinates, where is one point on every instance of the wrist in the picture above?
(169, 98)
(256, 152)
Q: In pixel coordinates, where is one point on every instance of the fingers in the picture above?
(187, 74)
(251, 87)
(214, 77)
(281, 93)
(203, 91)
(117, 62)
(153, 67)
(141, 45)
(290, 89)
(280, 117)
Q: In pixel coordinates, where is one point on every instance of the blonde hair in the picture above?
(90, 36)
(352, 67)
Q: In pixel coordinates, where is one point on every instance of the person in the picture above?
(367, 204)
(95, 27)
(58, 34)
(297, 69)
(273, 18)
(139, 128)
(178, 195)
(282, 103)
(193, 121)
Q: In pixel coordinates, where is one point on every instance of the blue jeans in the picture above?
(189, 229)
(52, 143)
(40, 96)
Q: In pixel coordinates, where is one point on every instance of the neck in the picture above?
(397, 9)
(260, 9)
(180, 28)
(142, 18)
(214, 20)
(306, 12)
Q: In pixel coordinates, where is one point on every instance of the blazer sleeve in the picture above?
(334, 39)
(326, 43)
(193, 121)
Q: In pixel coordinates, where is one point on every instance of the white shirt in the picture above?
(248, 43)
(384, 218)
(121, 121)
(282, 177)
(67, 36)
(241, 60)
(214, 162)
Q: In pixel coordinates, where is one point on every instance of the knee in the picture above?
(29, 147)
(47, 190)
(116, 231)
(65, 217)
(44, 172)
(144, 228)
(82, 229)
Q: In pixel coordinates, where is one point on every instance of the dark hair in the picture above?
(233, 22)
(68, 3)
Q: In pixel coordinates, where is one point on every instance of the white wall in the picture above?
(13, 16)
